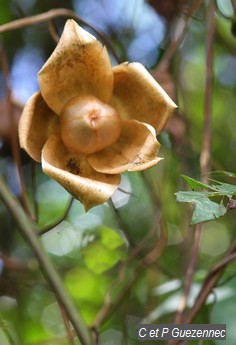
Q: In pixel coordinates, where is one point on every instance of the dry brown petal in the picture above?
(135, 150)
(138, 96)
(36, 124)
(79, 65)
(75, 174)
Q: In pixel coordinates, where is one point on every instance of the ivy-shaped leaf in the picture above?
(204, 208)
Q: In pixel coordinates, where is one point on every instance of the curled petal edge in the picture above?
(135, 150)
(76, 175)
(79, 65)
(137, 95)
(37, 123)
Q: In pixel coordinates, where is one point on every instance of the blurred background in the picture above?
(103, 252)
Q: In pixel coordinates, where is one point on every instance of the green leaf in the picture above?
(99, 258)
(205, 209)
(196, 184)
(86, 286)
(106, 250)
(110, 238)
(88, 290)
(225, 188)
(222, 172)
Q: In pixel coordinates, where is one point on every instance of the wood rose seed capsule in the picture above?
(88, 125)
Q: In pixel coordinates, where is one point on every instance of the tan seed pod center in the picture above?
(89, 125)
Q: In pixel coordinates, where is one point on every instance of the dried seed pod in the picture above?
(88, 125)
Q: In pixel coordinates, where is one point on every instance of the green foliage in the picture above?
(88, 291)
(205, 208)
(89, 283)
(108, 251)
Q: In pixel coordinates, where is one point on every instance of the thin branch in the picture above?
(210, 282)
(7, 332)
(208, 285)
(48, 16)
(181, 34)
(29, 231)
(189, 274)
(13, 130)
(60, 220)
(52, 30)
(121, 223)
(205, 157)
(233, 2)
(67, 325)
(34, 190)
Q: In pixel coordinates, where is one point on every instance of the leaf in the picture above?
(99, 258)
(225, 188)
(196, 184)
(110, 238)
(222, 172)
(86, 286)
(88, 291)
(205, 209)
(106, 251)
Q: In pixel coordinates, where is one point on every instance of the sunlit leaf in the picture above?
(205, 209)
(98, 258)
(88, 291)
(195, 184)
(110, 238)
(84, 285)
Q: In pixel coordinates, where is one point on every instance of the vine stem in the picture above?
(13, 137)
(174, 45)
(205, 157)
(29, 231)
(209, 283)
(47, 17)
(233, 2)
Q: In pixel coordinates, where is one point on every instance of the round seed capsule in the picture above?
(88, 125)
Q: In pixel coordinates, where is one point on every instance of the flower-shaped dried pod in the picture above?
(90, 122)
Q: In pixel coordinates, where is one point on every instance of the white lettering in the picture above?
(175, 332)
(165, 330)
(141, 334)
(221, 335)
(152, 333)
